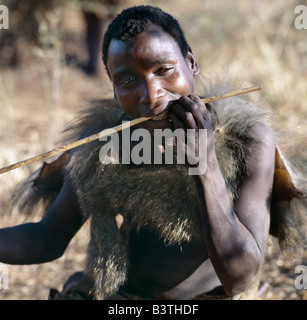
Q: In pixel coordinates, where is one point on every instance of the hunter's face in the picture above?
(148, 73)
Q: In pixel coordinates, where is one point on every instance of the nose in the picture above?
(151, 92)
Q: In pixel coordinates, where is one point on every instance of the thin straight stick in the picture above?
(109, 131)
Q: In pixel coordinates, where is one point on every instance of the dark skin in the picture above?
(150, 74)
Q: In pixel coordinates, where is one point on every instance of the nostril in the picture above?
(151, 93)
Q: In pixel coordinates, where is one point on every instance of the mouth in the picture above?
(160, 116)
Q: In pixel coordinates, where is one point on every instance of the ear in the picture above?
(192, 62)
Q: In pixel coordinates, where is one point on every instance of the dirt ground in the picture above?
(250, 44)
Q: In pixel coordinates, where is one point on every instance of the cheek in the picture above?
(127, 103)
(184, 84)
(187, 85)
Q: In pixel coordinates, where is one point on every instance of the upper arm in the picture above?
(253, 204)
(63, 219)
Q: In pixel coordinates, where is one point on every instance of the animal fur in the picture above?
(148, 195)
(143, 195)
(35, 195)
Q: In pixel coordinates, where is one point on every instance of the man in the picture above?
(156, 231)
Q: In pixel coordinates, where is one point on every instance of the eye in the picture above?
(127, 81)
(163, 71)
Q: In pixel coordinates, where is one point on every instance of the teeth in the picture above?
(160, 116)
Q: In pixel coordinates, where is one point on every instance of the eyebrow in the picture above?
(164, 60)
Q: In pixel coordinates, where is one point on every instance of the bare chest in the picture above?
(160, 271)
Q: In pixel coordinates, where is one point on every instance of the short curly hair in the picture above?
(135, 20)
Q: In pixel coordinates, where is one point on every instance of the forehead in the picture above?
(149, 46)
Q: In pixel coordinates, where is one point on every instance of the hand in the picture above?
(191, 115)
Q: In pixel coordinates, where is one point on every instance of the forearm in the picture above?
(26, 244)
(232, 249)
(47, 239)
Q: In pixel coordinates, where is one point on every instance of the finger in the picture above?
(199, 102)
(180, 140)
(185, 116)
(176, 120)
(206, 115)
(194, 106)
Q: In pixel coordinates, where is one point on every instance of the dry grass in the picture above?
(250, 42)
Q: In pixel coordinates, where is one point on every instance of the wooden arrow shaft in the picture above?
(109, 131)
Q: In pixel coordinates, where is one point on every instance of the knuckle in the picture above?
(189, 116)
(182, 99)
(194, 107)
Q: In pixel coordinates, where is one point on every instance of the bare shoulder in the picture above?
(264, 134)
(262, 158)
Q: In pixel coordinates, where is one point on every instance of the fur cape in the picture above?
(142, 195)
(148, 195)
